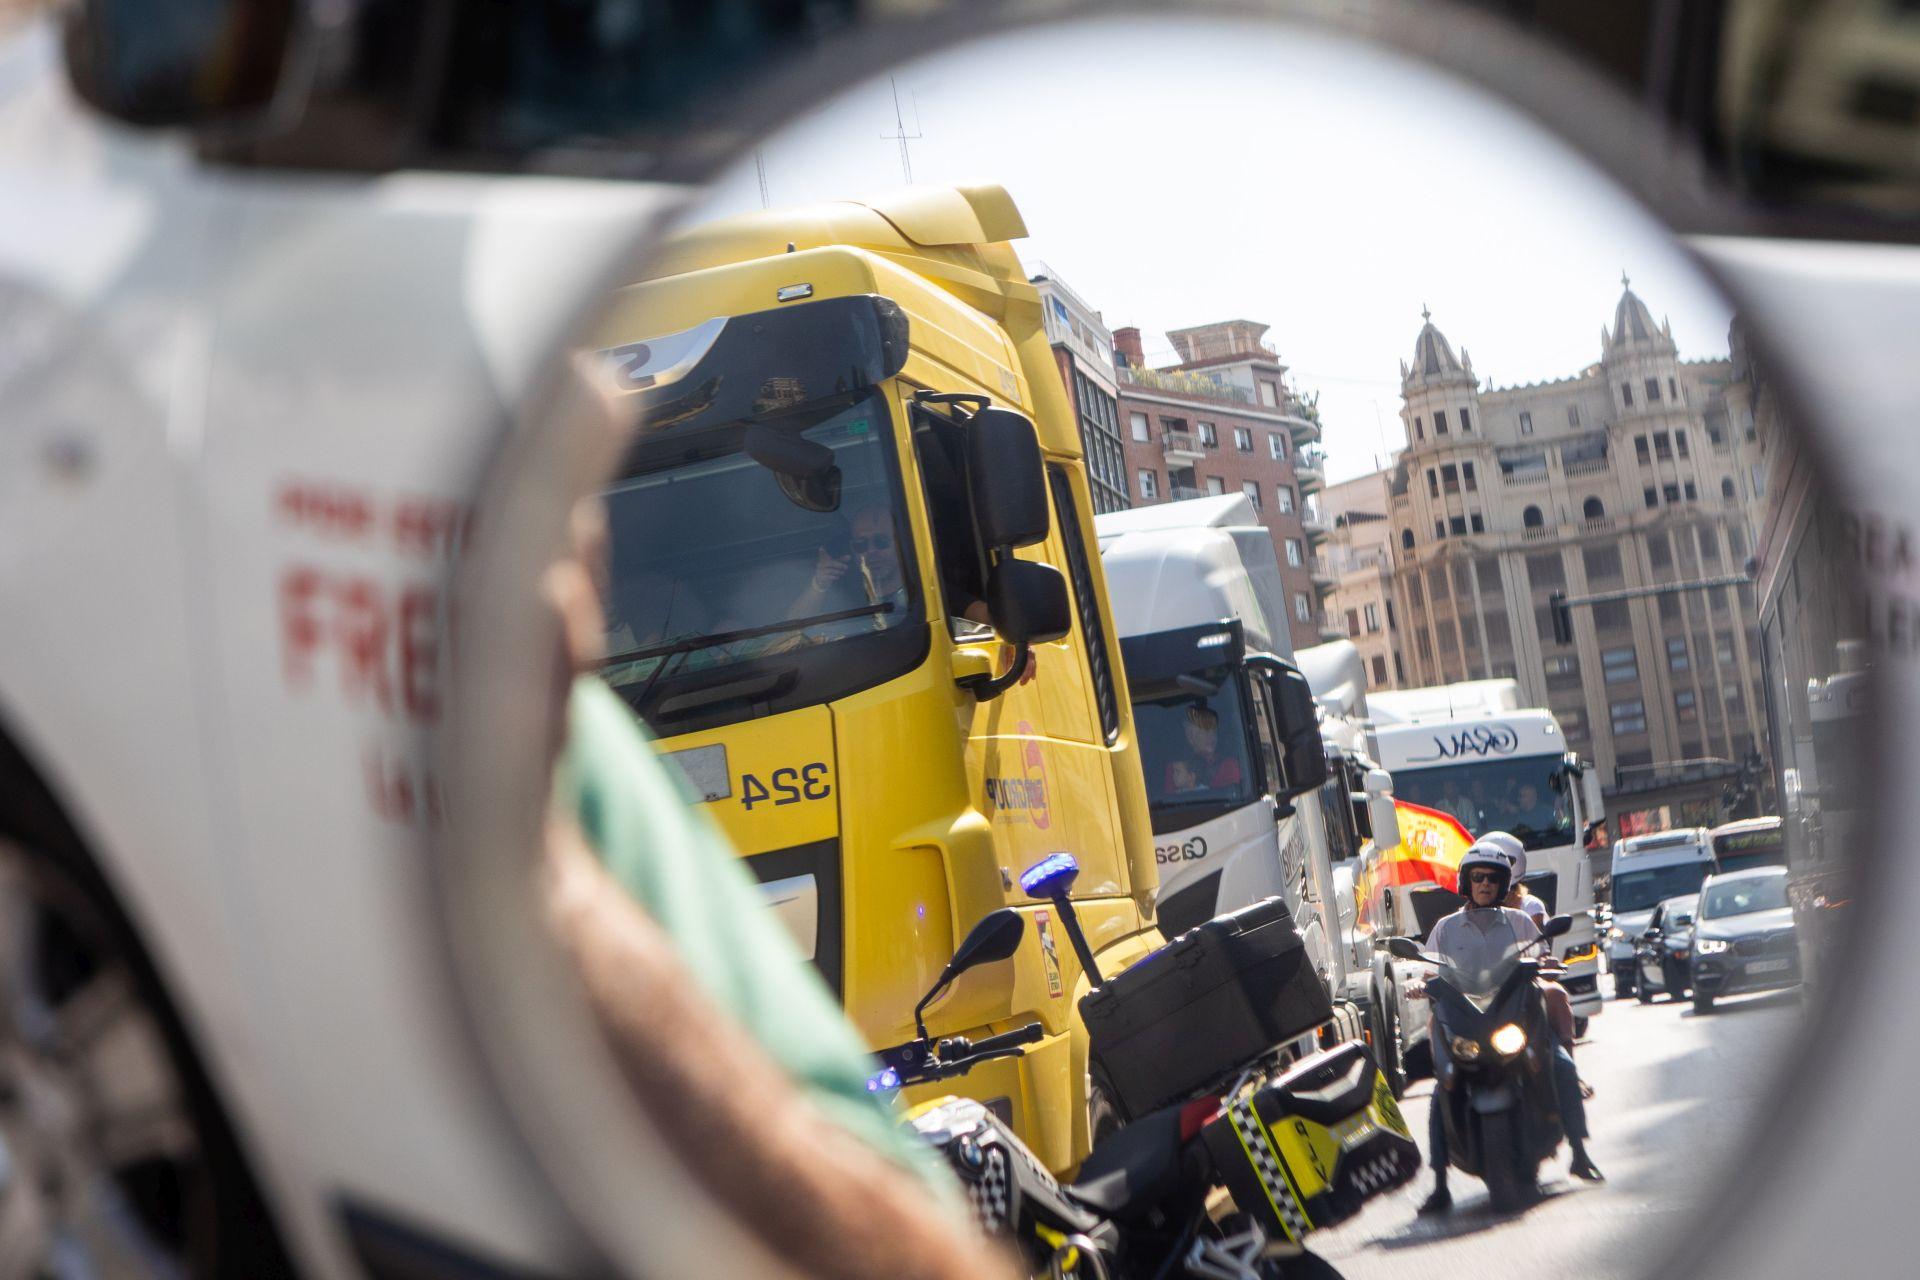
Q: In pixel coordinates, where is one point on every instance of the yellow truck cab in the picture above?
(855, 501)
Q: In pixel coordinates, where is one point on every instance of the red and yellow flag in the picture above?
(1431, 846)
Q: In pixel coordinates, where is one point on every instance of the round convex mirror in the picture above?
(1457, 416)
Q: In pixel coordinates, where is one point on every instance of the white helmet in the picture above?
(1484, 853)
(1510, 846)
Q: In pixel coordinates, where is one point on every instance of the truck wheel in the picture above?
(1386, 1044)
(112, 1171)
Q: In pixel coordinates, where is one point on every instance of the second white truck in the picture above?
(1239, 814)
(1472, 751)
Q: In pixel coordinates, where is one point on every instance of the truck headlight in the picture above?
(1710, 946)
(1464, 1049)
(1508, 1040)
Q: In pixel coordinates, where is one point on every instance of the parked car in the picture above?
(1664, 948)
(1744, 937)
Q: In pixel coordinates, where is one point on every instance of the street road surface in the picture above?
(1676, 1096)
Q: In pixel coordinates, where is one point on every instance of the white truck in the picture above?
(1196, 592)
(1472, 751)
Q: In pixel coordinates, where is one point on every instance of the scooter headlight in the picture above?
(1464, 1050)
(1508, 1040)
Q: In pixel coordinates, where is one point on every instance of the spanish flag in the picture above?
(1431, 846)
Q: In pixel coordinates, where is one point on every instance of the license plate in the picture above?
(1768, 966)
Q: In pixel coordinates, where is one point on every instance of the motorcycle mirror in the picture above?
(1403, 949)
(1556, 926)
(996, 937)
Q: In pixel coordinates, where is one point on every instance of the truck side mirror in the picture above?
(223, 65)
(1006, 479)
(1298, 730)
(1027, 602)
(1385, 820)
(1593, 805)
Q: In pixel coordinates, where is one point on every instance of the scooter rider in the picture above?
(1476, 938)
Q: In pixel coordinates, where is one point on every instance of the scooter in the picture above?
(1493, 1069)
(1146, 1201)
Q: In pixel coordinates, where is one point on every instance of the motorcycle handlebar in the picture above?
(1006, 1040)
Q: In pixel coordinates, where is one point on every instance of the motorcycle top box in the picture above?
(1308, 1149)
(1189, 1017)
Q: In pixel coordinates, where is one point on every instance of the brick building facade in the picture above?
(1223, 420)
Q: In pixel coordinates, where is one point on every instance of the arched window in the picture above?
(1406, 539)
(1592, 509)
(1726, 486)
(1531, 518)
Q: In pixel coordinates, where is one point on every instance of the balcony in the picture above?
(1310, 469)
(1188, 384)
(1523, 479)
(1535, 533)
(1181, 492)
(1598, 524)
(1588, 467)
(1321, 571)
(1182, 448)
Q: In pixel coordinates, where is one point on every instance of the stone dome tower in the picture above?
(1639, 359)
(1440, 395)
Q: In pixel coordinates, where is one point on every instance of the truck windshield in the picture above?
(1645, 890)
(1193, 744)
(1516, 795)
(735, 589)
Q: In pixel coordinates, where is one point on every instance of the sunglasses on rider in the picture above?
(1484, 877)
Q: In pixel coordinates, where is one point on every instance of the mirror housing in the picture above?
(1027, 602)
(1556, 926)
(1006, 479)
(1385, 820)
(1298, 730)
(996, 937)
(1403, 949)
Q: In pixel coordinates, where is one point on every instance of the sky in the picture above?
(1174, 172)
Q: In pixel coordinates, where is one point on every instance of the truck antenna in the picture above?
(900, 133)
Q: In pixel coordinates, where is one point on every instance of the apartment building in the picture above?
(1224, 420)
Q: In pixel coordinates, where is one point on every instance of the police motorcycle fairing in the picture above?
(1139, 1204)
(1493, 1068)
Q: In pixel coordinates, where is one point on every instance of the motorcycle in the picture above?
(1147, 1200)
(1493, 1069)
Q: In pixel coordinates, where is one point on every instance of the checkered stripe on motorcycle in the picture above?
(1267, 1167)
(989, 1195)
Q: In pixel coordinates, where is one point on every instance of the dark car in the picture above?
(1664, 949)
(1744, 937)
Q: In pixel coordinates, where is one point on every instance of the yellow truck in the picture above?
(855, 589)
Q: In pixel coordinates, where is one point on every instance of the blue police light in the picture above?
(1050, 877)
(883, 1080)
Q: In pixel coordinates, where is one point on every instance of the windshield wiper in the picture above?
(690, 643)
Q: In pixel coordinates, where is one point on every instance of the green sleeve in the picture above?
(654, 839)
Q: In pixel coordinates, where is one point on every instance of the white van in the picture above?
(1647, 870)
